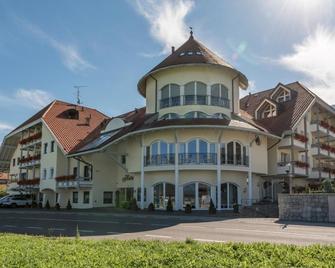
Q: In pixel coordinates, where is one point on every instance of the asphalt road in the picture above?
(102, 225)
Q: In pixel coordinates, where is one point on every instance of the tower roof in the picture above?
(192, 52)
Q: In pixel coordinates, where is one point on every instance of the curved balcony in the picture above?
(195, 100)
(198, 159)
(159, 160)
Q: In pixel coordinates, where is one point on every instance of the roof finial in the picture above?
(191, 31)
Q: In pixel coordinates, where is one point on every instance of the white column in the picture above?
(250, 183)
(142, 173)
(218, 176)
(176, 176)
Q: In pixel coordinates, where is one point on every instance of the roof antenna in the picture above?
(78, 93)
(191, 31)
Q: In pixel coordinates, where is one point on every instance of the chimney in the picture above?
(88, 120)
(172, 49)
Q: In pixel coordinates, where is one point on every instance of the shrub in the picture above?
(236, 208)
(151, 207)
(327, 186)
(57, 206)
(169, 207)
(47, 205)
(190, 241)
(212, 208)
(125, 205)
(133, 205)
(68, 206)
(188, 208)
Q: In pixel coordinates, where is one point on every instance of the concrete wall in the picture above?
(307, 207)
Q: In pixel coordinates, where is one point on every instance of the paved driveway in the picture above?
(102, 225)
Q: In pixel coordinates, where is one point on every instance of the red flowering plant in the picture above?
(300, 137)
(65, 178)
(324, 124)
(301, 164)
(29, 182)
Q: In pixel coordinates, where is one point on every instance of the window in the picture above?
(13, 162)
(139, 194)
(197, 194)
(18, 160)
(74, 197)
(86, 171)
(170, 96)
(195, 114)
(234, 154)
(45, 148)
(123, 159)
(284, 96)
(160, 153)
(269, 111)
(220, 116)
(44, 174)
(162, 193)
(86, 199)
(284, 158)
(195, 93)
(108, 197)
(219, 95)
(52, 170)
(52, 146)
(169, 116)
(75, 171)
(197, 151)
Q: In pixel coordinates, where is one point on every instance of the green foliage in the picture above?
(169, 206)
(68, 206)
(151, 207)
(133, 205)
(190, 241)
(188, 208)
(125, 205)
(327, 186)
(34, 251)
(57, 206)
(212, 208)
(236, 208)
(47, 205)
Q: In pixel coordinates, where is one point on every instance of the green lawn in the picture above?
(28, 251)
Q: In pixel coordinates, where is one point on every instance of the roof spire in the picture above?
(191, 31)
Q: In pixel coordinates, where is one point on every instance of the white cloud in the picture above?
(71, 57)
(315, 58)
(167, 21)
(251, 89)
(31, 98)
(5, 127)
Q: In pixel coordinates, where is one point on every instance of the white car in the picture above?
(15, 201)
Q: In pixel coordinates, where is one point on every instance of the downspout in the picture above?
(232, 93)
(156, 90)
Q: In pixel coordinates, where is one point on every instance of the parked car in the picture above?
(15, 201)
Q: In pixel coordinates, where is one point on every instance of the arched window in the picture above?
(197, 194)
(169, 116)
(160, 153)
(229, 195)
(195, 114)
(195, 93)
(234, 154)
(162, 193)
(219, 95)
(197, 151)
(170, 96)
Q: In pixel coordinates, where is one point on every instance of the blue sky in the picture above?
(47, 47)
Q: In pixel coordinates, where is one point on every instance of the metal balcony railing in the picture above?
(159, 160)
(170, 102)
(236, 160)
(197, 158)
(195, 100)
(222, 102)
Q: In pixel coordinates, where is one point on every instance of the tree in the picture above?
(169, 206)
(212, 208)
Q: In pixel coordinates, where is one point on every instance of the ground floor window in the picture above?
(108, 197)
(75, 197)
(229, 195)
(162, 192)
(86, 199)
(139, 194)
(197, 194)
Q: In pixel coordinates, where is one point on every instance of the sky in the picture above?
(47, 47)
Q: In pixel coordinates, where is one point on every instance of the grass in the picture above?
(28, 251)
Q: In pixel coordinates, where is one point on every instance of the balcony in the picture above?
(323, 129)
(70, 182)
(195, 100)
(29, 184)
(159, 160)
(198, 159)
(221, 102)
(326, 151)
(31, 140)
(235, 160)
(300, 168)
(322, 171)
(170, 102)
(298, 142)
(30, 161)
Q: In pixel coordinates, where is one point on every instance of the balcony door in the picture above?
(229, 195)
(197, 194)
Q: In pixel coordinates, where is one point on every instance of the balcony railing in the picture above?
(159, 160)
(198, 159)
(170, 102)
(195, 100)
(236, 160)
(222, 102)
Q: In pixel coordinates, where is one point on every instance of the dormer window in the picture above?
(284, 96)
(269, 111)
